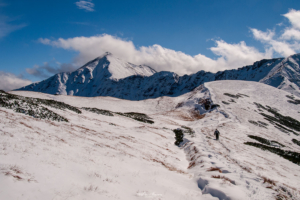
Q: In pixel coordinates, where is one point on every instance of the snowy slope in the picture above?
(95, 156)
(109, 76)
(246, 166)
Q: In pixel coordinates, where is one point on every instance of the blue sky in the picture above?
(40, 38)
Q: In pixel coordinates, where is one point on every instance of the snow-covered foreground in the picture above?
(95, 156)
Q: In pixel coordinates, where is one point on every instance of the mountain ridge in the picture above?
(116, 78)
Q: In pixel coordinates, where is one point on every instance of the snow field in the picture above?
(96, 156)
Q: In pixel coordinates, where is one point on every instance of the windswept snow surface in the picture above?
(115, 157)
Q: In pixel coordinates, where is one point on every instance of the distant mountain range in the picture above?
(110, 76)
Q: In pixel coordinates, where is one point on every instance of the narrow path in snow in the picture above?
(213, 162)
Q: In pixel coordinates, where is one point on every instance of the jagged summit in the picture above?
(110, 76)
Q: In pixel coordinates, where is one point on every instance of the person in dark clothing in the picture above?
(217, 133)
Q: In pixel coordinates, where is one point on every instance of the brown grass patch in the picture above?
(179, 105)
(126, 145)
(25, 125)
(192, 164)
(196, 115)
(214, 169)
(91, 188)
(224, 178)
(267, 180)
(168, 166)
(195, 150)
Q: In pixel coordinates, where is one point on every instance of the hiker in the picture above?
(217, 133)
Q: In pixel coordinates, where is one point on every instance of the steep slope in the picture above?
(96, 155)
(108, 76)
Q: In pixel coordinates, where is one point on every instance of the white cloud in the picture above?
(47, 69)
(280, 46)
(294, 18)
(44, 41)
(162, 59)
(291, 34)
(86, 5)
(285, 44)
(10, 81)
(6, 27)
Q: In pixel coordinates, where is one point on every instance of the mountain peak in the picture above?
(105, 55)
(111, 67)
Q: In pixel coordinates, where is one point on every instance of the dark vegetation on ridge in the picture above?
(265, 141)
(35, 107)
(178, 136)
(137, 116)
(133, 115)
(188, 130)
(259, 123)
(289, 155)
(32, 106)
(285, 124)
(296, 142)
(238, 95)
(293, 101)
(98, 111)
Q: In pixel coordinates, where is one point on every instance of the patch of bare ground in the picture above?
(185, 116)
(196, 115)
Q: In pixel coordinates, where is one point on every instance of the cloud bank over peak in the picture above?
(161, 59)
(229, 56)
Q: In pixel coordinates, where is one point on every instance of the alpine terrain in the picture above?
(73, 147)
(110, 76)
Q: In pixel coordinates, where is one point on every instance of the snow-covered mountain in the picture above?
(54, 147)
(109, 76)
(88, 79)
